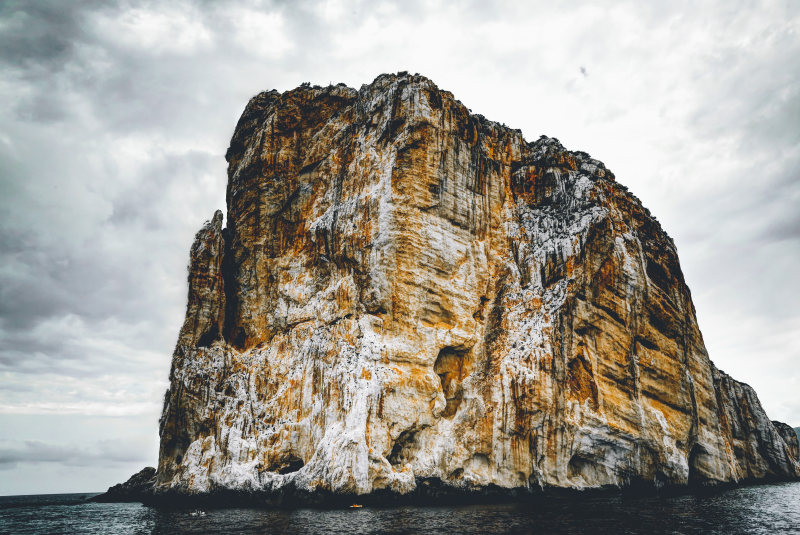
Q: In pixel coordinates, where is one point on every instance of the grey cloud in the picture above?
(753, 88)
(35, 451)
(786, 228)
(125, 89)
(41, 33)
(47, 283)
(104, 453)
(144, 204)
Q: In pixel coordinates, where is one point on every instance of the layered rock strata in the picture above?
(405, 291)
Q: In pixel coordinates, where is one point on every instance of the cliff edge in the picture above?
(405, 292)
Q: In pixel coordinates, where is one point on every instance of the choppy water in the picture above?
(766, 509)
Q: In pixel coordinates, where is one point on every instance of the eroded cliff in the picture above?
(405, 291)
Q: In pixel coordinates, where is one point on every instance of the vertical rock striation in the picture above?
(405, 291)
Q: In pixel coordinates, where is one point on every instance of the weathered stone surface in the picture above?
(203, 325)
(789, 436)
(405, 292)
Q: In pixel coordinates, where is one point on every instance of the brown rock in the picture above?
(406, 291)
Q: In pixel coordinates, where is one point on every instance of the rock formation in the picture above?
(135, 489)
(407, 292)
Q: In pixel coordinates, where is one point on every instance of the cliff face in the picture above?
(406, 291)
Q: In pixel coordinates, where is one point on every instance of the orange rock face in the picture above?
(406, 291)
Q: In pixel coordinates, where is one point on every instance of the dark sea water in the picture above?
(764, 509)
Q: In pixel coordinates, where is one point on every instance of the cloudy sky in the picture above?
(116, 118)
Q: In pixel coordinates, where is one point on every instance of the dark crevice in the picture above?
(293, 464)
(309, 167)
(644, 342)
(208, 337)
(240, 340)
(658, 275)
(611, 312)
(663, 324)
(230, 319)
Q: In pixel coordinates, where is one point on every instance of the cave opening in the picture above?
(208, 337)
(292, 464)
(403, 448)
(451, 367)
(579, 466)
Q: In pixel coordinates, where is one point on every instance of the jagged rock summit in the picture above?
(406, 293)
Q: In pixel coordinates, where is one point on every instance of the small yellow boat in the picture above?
(355, 505)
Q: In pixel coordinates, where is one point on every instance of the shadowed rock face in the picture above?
(405, 292)
(788, 435)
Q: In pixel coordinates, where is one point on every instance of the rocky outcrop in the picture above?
(407, 292)
(138, 488)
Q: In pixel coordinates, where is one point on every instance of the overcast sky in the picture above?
(116, 117)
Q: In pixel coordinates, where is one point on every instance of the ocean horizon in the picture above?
(760, 509)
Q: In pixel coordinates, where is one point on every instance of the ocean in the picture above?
(767, 509)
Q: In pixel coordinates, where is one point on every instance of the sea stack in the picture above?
(407, 294)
